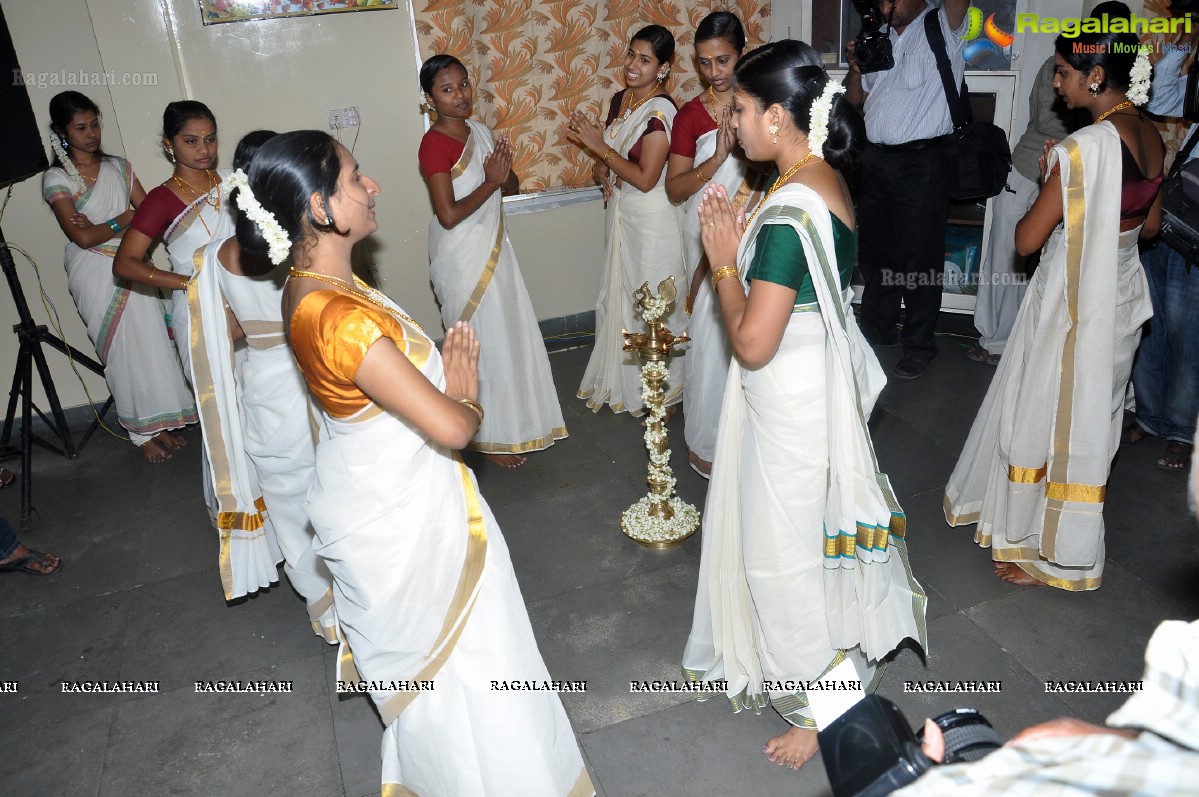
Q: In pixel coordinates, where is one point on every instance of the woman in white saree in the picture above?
(643, 234)
(257, 427)
(1034, 470)
(428, 605)
(187, 211)
(93, 196)
(803, 562)
(474, 270)
(701, 145)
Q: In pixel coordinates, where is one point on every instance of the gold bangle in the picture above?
(474, 406)
(151, 277)
(700, 174)
(609, 155)
(722, 272)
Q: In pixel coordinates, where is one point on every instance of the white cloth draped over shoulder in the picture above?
(199, 223)
(126, 322)
(643, 243)
(424, 588)
(249, 552)
(803, 561)
(706, 363)
(477, 280)
(1034, 470)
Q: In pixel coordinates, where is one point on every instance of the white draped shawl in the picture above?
(796, 492)
(249, 552)
(1033, 473)
(477, 280)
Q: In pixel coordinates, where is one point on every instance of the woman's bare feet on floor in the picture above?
(171, 441)
(1013, 574)
(506, 460)
(154, 453)
(793, 748)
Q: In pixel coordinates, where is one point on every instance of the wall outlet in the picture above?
(341, 118)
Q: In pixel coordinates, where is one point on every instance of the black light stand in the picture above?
(32, 336)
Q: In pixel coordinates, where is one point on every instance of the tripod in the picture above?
(32, 336)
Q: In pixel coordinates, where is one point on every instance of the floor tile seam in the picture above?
(237, 676)
(1185, 612)
(647, 715)
(999, 642)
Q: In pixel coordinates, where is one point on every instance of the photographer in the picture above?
(902, 205)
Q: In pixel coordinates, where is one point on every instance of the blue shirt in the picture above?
(1168, 89)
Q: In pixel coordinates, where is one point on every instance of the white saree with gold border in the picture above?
(125, 321)
(1033, 473)
(208, 218)
(706, 363)
(803, 561)
(248, 550)
(273, 425)
(426, 594)
(643, 243)
(477, 280)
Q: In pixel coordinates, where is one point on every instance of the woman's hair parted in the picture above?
(179, 113)
(721, 25)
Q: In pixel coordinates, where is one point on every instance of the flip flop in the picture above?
(26, 562)
(7, 477)
(1176, 457)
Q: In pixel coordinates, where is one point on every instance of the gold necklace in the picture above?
(715, 105)
(358, 288)
(1117, 107)
(779, 183)
(627, 112)
(213, 199)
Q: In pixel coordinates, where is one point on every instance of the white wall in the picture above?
(281, 74)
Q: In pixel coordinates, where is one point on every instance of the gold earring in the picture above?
(774, 133)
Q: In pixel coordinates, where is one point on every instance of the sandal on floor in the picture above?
(1176, 458)
(980, 355)
(7, 477)
(26, 564)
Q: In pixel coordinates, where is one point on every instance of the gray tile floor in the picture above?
(140, 599)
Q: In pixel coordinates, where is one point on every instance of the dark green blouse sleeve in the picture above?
(779, 257)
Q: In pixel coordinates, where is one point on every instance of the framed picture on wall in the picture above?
(213, 12)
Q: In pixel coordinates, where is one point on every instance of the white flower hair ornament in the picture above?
(1139, 77)
(268, 225)
(68, 165)
(822, 108)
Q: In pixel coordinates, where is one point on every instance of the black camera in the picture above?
(872, 47)
(870, 750)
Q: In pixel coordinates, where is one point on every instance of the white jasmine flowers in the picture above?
(274, 235)
(821, 109)
(1138, 83)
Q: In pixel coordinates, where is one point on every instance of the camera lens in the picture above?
(968, 735)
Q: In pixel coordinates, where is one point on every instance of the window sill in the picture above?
(549, 200)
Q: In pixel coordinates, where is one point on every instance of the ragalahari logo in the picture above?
(995, 39)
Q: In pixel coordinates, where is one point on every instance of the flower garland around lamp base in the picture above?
(660, 519)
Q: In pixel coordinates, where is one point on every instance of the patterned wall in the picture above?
(532, 62)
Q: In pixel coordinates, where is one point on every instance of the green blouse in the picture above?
(779, 258)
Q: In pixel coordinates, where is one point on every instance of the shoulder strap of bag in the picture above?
(1181, 158)
(936, 41)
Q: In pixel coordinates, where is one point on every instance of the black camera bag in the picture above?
(976, 155)
(1180, 204)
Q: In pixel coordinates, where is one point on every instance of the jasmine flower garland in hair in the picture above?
(268, 225)
(1138, 82)
(822, 108)
(68, 165)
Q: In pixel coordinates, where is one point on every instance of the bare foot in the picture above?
(170, 440)
(1013, 574)
(793, 748)
(153, 453)
(699, 465)
(506, 460)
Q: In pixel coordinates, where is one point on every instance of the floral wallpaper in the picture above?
(532, 62)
